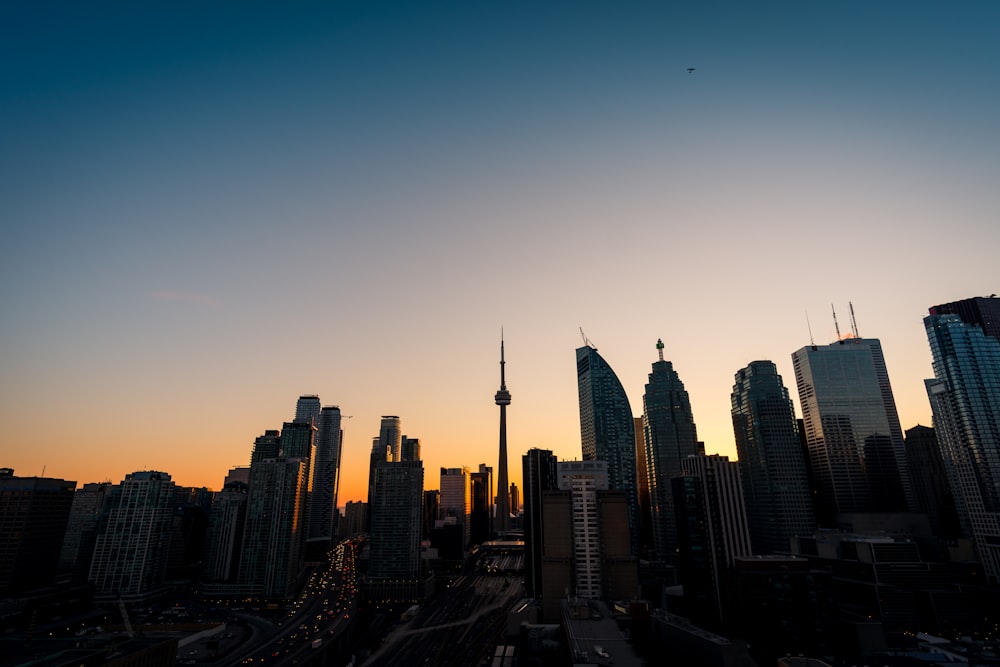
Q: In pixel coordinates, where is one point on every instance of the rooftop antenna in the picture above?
(586, 341)
(659, 347)
(809, 327)
(854, 324)
(835, 325)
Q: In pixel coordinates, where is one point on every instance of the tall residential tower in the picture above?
(965, 400)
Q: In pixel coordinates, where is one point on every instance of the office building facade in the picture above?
(775, 485)
(852, 432)
(607, 430)
(669, 437)
(131, 549)
(965, 400)
(323, 513)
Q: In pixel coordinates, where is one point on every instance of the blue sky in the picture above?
(209, 210)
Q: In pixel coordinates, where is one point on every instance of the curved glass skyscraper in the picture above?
(607, 431)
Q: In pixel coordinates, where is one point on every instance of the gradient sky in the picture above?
(209, 208)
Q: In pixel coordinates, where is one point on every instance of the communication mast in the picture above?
(835, 325)
(854, 324)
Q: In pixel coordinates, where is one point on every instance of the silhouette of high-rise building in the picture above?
(965, 400)
(390, 435)
(980, 311)
(307, 409)
(586, 548)
(276, 524)
(380, 453)
(712, 531)
(538, 475)
(226, 529)
(852, 431)
(669, 436)
(409, 449)
(33, 516)
(456, 499)
(481, 513)
(642, 482)
(323, 513)
(515, 499)
(130, 553)
(930, 482)
(89, 504)
(397, 518)
(775, 485)
(607, 430)
(503, 501)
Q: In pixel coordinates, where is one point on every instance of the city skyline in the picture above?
(176, 184)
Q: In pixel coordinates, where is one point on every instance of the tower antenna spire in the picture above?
(835, 325)
(586, 341)
(659, 347)
(812, 342)
(854, 323)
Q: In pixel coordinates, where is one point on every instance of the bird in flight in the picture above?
(690, 70)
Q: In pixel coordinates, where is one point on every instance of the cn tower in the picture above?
(503, 486)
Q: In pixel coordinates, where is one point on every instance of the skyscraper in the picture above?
(852, 431)
(712, 531)
(456, 499)
(409, 449)
(33, 516)
(670, 437)
(323, 511)
(965, 399)
(397, 516)
(981, 311)
(225, 535)
(503, 500)
(390, 436)
(481, 512)
(276, 525)
(539, 476)
(775, 485)
(930, 482)
(607, 432)
(307, 409)
(130, 554)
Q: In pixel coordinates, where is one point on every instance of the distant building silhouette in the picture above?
(397, 517)
(670, 436)
(775, 485)
(132, 546)
(323, 512)
(390, 436)
(538, 476)
(89, 505)
(456, 499)
(409, 449)
(607, 429)
(275, 531)
(226, 529)
(930, 482)
(307, 409)
(712, 531)
(965, 399)
(33, 515)
(481, 511)
(852, 430)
